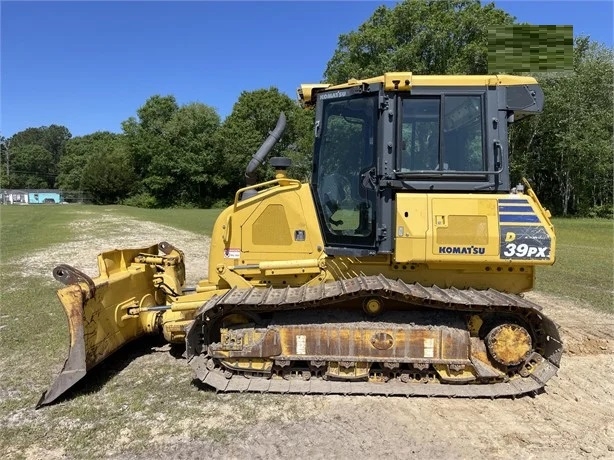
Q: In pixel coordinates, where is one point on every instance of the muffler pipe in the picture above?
(263, 151)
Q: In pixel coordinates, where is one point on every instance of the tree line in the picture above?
(185, 155)
(166, 155)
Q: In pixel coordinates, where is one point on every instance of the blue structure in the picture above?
(37, 196)
(44, 197)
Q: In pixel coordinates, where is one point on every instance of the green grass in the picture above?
(24, 228)
(584, 267)
(193, 220)
(27, 228)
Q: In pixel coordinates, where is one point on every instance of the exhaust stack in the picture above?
(263, 151)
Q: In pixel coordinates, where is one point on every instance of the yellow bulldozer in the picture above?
(398, 269)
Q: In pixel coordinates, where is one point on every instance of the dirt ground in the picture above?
(572, 418)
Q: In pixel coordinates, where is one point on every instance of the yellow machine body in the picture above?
(438, 302)
(456, 240)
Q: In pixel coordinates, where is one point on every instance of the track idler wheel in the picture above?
(509, 344)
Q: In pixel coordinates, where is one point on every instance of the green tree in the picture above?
(4, 157)
(422, 36)
(52, 138)
(108, 176)
(144, 132)
(172, 152)
(301, 150)
(566, 152)
(78, 151)
(254, 115)
(27, 160)
(31, 166)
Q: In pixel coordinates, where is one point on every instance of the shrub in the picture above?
(141, 200)
(605, 211)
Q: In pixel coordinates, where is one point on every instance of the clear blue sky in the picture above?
(90, 65)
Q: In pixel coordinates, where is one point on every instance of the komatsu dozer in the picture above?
(398, 269)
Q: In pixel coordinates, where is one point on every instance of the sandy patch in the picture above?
(96, 233)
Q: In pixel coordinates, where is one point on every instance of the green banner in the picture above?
(530, 48)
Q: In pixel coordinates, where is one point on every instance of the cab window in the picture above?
(442, 134)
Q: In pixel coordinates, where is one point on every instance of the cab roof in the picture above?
(405, 81)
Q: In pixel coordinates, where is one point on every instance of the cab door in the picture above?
(343, 179)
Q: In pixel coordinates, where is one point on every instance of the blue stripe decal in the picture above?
(515, 208)
(518, 218)
(512, 201)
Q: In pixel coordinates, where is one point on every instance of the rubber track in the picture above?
(289, 298)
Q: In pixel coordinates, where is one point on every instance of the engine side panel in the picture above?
(462, 241)
(272, 237)
(472, 229)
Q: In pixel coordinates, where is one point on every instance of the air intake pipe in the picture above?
(263, 151)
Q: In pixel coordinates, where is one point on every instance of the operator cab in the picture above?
(407, 134)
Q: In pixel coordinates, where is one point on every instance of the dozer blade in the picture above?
(103, 313)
